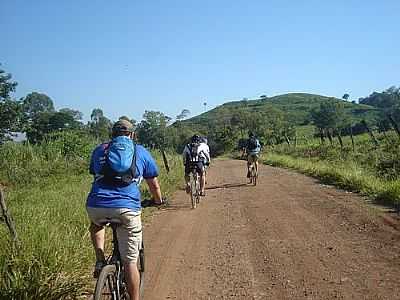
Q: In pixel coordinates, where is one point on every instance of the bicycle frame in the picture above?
(116, 260)
(194, 180)
(253, 173)
(116, 281)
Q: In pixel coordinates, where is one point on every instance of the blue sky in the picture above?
(126, 57)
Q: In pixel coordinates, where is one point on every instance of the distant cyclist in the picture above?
(253, 148)
(196, 153)
(206, 149)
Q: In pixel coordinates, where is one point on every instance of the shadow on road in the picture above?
(225, 186)
(174, 206)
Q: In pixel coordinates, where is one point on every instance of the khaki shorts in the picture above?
(129, 232)
(252, 158)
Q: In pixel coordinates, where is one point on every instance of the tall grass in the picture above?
(61, 154)
(55, 250)
(46, 195)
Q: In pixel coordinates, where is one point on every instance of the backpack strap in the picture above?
(133, 164)
(106, 168)
(106, 145)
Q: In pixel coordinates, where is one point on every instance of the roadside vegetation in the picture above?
(46, 193)
(368, 169)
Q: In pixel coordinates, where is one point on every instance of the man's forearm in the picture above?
(155, 189)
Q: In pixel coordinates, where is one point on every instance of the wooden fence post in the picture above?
(287, 139)
(352, 139)
(5, 214)
(394, 124)
(165, 160)
(321, 135)
(370, 133)
(339, 138)
(328, 132)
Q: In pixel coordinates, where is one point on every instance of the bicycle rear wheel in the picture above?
(254, 175)
(197, 189)
(106, 285)
(193, 191)
(250, 174)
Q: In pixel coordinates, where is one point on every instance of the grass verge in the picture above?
(51, 221)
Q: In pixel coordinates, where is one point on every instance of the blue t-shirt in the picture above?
(108, 196)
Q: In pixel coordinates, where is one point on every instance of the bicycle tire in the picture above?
(254, 176)
(197, 189)
(193, 191)
(141, 267)
(107, 278)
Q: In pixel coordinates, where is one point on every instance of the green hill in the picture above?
(296, 106)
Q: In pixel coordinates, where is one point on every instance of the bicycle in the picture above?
(252, 158)
(111, 281)
(194, 183)
(253, 173)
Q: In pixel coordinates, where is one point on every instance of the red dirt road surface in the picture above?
(287, 238)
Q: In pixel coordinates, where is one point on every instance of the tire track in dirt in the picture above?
(287, 238)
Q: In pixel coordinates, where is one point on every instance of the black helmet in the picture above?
(195, 139)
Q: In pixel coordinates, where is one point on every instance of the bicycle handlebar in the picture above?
(152, 203)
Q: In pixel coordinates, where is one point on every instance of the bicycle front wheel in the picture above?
(106, 286)
(140, 266)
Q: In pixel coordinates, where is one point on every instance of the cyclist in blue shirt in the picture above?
(109, 200)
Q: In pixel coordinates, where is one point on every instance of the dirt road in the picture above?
(288, 238)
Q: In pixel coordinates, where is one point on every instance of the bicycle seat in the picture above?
(109, 221)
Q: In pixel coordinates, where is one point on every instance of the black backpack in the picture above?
(252, 144)
(193, 149)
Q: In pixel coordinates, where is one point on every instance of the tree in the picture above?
(39, 127)
(384, 100)
(328, 118)
(96, 115)
(99, 125)
(48, 122)
(152, 130)
(10, 117)
(62, 120)
(240, 120)
(75, 114)
(36, 103)
(10, 110)
(183, 115)
(6, 85)
(345, 96)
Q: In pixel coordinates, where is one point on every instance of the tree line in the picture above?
(330, 119)
(36, 116)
